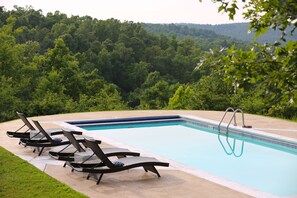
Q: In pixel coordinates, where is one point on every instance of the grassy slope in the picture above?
(18, 178)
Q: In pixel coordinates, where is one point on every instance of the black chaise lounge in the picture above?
(49, 141)
(30, 128)
(67, 153)
(108, 166)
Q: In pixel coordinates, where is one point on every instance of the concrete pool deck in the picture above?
(137, 183)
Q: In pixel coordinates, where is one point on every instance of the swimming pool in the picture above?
(262, 163)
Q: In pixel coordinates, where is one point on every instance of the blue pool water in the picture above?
(260, 165)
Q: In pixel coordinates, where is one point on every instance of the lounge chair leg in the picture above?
(88, 177)
(64, 165)
(152, 169)
(40, 151)
(98, 181)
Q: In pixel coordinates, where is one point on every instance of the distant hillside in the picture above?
(237, 31)
(206, 37)
(240, 31)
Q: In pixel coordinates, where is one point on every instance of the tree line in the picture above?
(53, 64)
(240, 31)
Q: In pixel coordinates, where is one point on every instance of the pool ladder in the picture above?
(232, 118)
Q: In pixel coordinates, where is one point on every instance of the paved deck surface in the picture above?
(137, 183)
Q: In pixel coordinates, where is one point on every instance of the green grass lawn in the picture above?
(18, 178)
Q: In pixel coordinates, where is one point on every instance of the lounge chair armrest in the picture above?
(73, 132)
(98, 141)
(85, 144)
(90, 138)
(61, 132)
(77, 132)
(56, 133)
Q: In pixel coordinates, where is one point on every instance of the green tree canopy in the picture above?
(264, 14)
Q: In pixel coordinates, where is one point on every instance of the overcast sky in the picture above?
(148, 11)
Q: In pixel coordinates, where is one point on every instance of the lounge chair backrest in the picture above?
(69, 135)
(26, 121)
(93, 144)
(41, 129)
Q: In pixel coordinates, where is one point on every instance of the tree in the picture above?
(9, 102)
(185, 98)
(60, 60)
(157, 96)
(10, 51)
(13, 71)
(264, 14)
(138, 72)
(105, 98)
(56, 64)
(155, 92)
(271, 67)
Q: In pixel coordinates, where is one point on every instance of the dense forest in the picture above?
(53, 64)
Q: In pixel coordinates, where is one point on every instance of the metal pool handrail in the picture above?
(226, 111)
(233, 116)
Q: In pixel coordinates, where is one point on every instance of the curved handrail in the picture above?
(226, 111)
(232, 148)
(234, 115)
